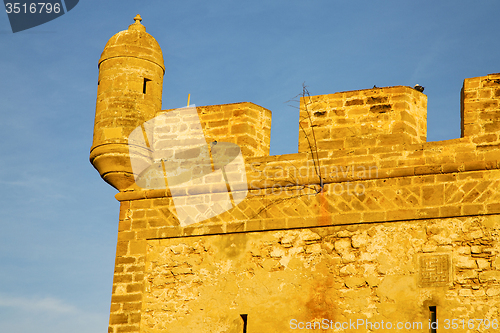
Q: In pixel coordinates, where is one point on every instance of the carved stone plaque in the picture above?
(434, 270)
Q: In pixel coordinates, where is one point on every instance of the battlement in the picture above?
(366, 139)
(480, 105)
(363, 125)
(361, 119)
(245, 124)
(381, 129)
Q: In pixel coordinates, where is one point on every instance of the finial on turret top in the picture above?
(137, 25)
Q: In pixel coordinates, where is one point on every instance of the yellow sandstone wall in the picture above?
(367, 222)
(360, 272)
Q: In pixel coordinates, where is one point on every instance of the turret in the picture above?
(129, 93)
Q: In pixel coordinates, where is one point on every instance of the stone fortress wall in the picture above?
(368, 222)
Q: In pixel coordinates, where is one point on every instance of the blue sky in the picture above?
(59, 219)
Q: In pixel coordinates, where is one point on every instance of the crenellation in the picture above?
(480, 107)
(396, 118)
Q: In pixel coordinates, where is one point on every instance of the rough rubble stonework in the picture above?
(394, 228)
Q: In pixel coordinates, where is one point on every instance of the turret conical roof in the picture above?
(134, 42)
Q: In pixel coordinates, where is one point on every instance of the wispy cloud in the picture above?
(431, 57)
(26, 314)
(47, 304)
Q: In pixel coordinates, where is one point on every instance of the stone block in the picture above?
(465, 262)
(489, 276)
(354, 282)
(465, 293)
(483, 264)
(120, 318)
(494, 291)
